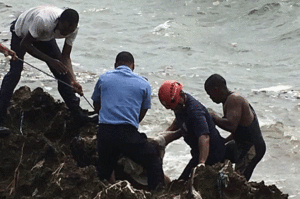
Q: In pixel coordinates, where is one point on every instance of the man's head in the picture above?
(170, 94)
(68, 21)
(125, 58)
(215, 86)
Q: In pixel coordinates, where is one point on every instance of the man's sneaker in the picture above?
(4, 132)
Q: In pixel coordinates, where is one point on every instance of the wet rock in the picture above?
(47, 156)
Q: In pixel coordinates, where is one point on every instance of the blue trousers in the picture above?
(114, 140)
(12, 78)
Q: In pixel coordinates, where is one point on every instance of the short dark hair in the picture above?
(69, 15)
(215, 80)
(124, 58)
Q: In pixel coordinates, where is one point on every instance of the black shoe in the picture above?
(83, 118)
(4, 132)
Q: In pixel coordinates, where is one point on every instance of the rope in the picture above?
(55, 79)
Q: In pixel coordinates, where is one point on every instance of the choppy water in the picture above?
(253, 44)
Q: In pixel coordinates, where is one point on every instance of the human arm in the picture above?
(146, 103)
(174, 126)
(8, 52)
(170, 136)
(55, 64)
(232, 114)
(66, 60)
(142, 114)
(97, 106)
(203, 145)
(96, 96)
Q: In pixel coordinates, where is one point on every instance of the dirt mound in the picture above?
(50, 156)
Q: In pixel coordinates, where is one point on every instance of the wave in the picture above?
(264, 9)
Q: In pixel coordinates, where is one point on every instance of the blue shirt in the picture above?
(196, 121)
(122, 95)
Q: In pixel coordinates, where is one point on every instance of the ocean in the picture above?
(253, 44)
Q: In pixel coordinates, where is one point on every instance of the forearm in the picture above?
(203, 144)
(142, 114)
(171, 136)
(97, 106)
(174, 126)
(224, 124)
(67, 62)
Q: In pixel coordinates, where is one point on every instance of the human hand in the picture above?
(213, 113)
(160, 140)
(11, 55)
(201, 165)
(58, 66)
(77, 88)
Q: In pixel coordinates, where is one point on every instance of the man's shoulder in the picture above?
(195, 106)
(235, 98)
(235, 101)
(194, 101)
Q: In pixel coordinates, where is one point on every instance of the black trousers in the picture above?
(235, 152)
(12, 78)
(114, 140)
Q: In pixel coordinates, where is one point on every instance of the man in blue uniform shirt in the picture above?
(193, 123)
(122, 99)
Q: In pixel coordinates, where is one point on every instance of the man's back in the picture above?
(242, 106)
(198, 122)
(32, 19)
(123, 95)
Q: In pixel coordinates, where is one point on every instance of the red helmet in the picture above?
(169, 93)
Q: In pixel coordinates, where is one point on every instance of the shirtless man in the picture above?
(241, 121)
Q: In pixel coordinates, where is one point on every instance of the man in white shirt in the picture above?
(34, 32)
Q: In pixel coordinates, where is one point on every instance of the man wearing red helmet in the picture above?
(194, 124)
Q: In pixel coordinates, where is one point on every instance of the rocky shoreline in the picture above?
(50, 156)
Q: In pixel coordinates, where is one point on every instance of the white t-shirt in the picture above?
(40, 22)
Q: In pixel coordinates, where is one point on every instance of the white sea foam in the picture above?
(277, 88)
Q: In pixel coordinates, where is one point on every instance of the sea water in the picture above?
(253, 44)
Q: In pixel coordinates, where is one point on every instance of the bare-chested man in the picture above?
(245, 145)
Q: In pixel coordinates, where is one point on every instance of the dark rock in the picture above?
(48, 156)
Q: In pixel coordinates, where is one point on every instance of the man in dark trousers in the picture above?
(34, 32)
(245, 145)
(193, 123)
(122, 99)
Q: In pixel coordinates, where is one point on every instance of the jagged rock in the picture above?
(42, 159)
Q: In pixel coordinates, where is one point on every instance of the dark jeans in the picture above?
(114, 140)
(11, 79)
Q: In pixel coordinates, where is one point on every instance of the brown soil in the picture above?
(50, 156)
